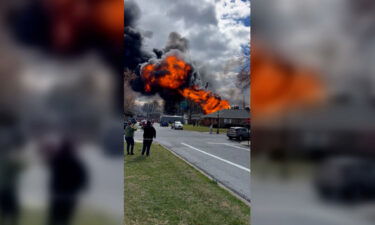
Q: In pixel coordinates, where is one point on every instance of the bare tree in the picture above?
(152, 107)
(243, 76)
(129, 95)
(156, 106)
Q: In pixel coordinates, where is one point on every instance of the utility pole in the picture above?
(243, 99)
(218, 122)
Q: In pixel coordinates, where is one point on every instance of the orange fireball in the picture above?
(173, 73)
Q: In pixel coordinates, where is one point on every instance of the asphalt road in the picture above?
(228, 162)
(303, 207)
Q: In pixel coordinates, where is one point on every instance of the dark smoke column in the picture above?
(134, 55)
(52, 29)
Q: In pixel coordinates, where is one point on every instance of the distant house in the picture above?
(334, 129)
(227, 118)
(195, 118)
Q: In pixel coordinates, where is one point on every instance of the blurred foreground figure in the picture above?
(313, 112)
(58, 66)
(10, 169)
(68, 179)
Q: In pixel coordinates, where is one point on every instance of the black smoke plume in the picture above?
(136, 57)
(32, 24)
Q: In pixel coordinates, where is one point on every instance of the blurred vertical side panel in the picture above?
(312, 96)
(61, 104)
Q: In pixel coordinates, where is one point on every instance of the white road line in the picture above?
(230, 145)
(216, 157)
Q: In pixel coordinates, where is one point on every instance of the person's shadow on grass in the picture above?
(136, 159)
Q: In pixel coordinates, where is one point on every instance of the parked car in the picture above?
(164, 124)
(177, 125)
(239, 133)
(345, 179)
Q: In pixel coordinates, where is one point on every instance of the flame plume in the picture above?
(173, 73)
(209, 101)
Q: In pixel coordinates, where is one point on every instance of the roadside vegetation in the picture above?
(203, 129)
(38, 217)
(163, 189)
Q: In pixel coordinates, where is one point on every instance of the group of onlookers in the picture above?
(149, 133)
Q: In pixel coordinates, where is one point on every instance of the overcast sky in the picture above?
(216, 30)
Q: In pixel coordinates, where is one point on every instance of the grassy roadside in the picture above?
(162, 189)
(39, 216)
(203, 129)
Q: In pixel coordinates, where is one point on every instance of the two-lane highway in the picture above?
(228, 162)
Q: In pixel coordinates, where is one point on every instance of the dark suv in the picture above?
(239, 133)
(346, 178)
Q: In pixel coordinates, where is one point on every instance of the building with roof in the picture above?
(336, 128)
(227, 118)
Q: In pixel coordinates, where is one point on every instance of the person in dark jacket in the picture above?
(148, 135)
(11, 167)
(68, 178)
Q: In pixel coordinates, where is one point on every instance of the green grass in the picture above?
(203, 129)
(163, 189)
(38, 217)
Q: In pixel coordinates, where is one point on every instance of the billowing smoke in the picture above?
(171, 96)
(173, 78)
(134, 55)
(165, 72)
(53, 29)
(176, 41)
